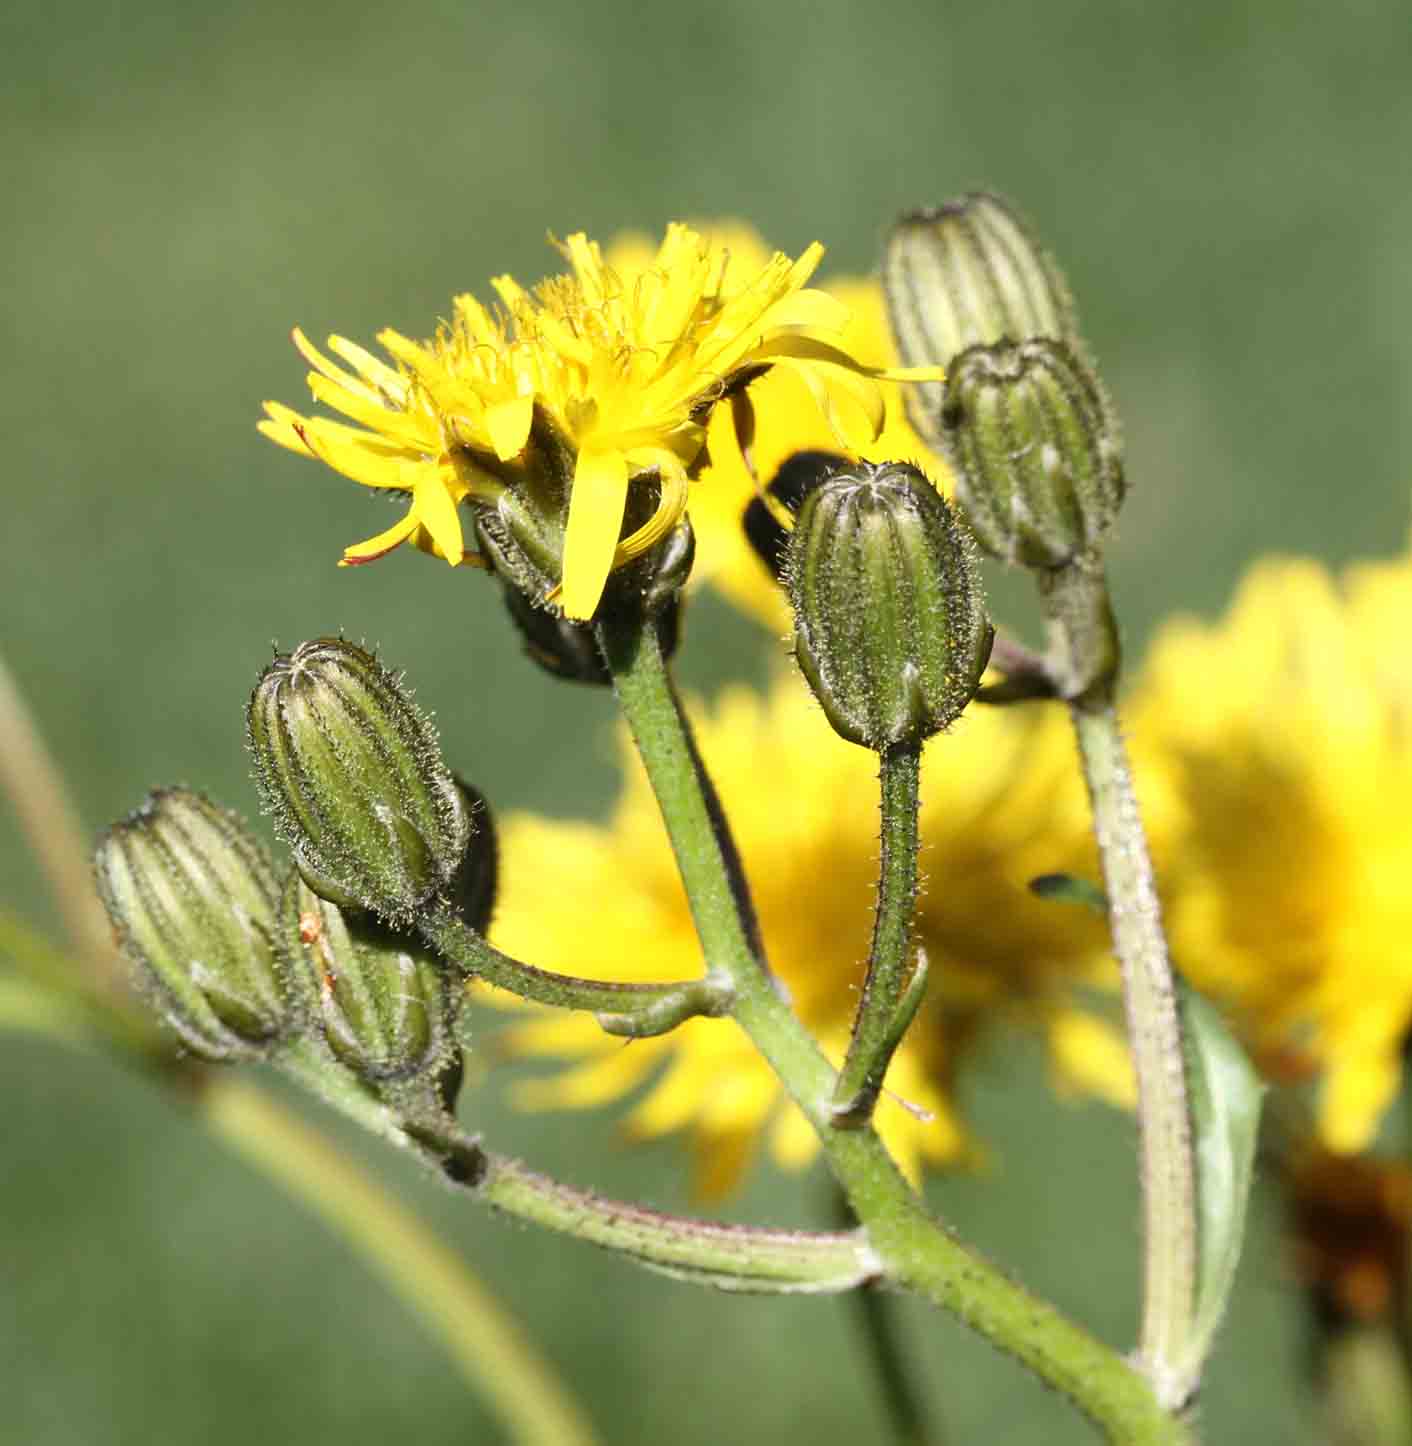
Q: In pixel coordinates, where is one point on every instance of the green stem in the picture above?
(1084, 658)
(1154, 1031)
(727, 1256)
(635, 1010)
(915, 1250)
(875, 1032)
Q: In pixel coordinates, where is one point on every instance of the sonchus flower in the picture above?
(623, 365)
(1001, 804)
(1284, 729)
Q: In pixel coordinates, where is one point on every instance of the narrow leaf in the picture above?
(1226, 1095)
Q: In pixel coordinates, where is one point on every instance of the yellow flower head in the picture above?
(1002, 803)
(624, 363)
(1286, 730)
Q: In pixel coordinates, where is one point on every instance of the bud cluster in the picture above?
(1022, 418)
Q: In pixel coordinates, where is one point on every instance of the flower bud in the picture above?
(890, 626)
(962, 274)
(384, 1002)
(193, 901)
(1034, 445)
(353, 775)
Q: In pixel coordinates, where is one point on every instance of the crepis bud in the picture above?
(193, 900)
(383, 1001)
(967, 273)
(890, 625)
(354, 777)
(1032, 439)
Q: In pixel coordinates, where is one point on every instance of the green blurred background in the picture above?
(1227, 189)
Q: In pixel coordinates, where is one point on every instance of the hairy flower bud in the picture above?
(383, 1001)
(193, 901)
(353, 775)
(890, 626)
(1034, 445)
(967, 273)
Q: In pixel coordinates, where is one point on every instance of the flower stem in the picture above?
(915, 1251)
(1084, 657)
(885, 990)
(1154, 1031)
(635, 1010)
(727, 1256)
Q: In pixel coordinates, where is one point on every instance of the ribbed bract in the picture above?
(967, 273)
(1034, 445)
(383, 1001)
(890, 625)
(355, 780)
(193, 901)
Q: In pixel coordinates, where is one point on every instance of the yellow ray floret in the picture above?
(625, 362)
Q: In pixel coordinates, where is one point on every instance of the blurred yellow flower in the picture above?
(1286, 734)
(625, 362)
(1002, 803)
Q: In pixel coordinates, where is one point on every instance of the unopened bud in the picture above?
(472, 891)
(193, 901)
(384, 1002)
(967, 273)
(355, 780)
(1034, 445)
(890, 625)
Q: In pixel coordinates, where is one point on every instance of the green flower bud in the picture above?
(890, 625)
(384, 1002)
(1034, 445)
(353, 775)
(962, 274)
(193, 901)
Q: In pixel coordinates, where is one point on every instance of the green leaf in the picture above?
(1070, 889)
(1226, 1094)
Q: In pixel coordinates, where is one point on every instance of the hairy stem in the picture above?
(885, 989)
(914, 1249)
(627, 1009)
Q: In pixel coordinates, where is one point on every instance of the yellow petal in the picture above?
(509, 426)
(283, 426)
(596, 505)
(381, 545)
(434, 509)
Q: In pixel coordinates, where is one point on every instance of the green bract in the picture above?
(384, 1002)
(1034, 445)
(890, 625)
(967, 273)
(193, 900)
(355, 780)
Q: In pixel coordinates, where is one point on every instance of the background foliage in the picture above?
(1226, 188)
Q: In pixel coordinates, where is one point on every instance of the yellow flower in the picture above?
(624, 363)
(1002, 803)
(1287, 733)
